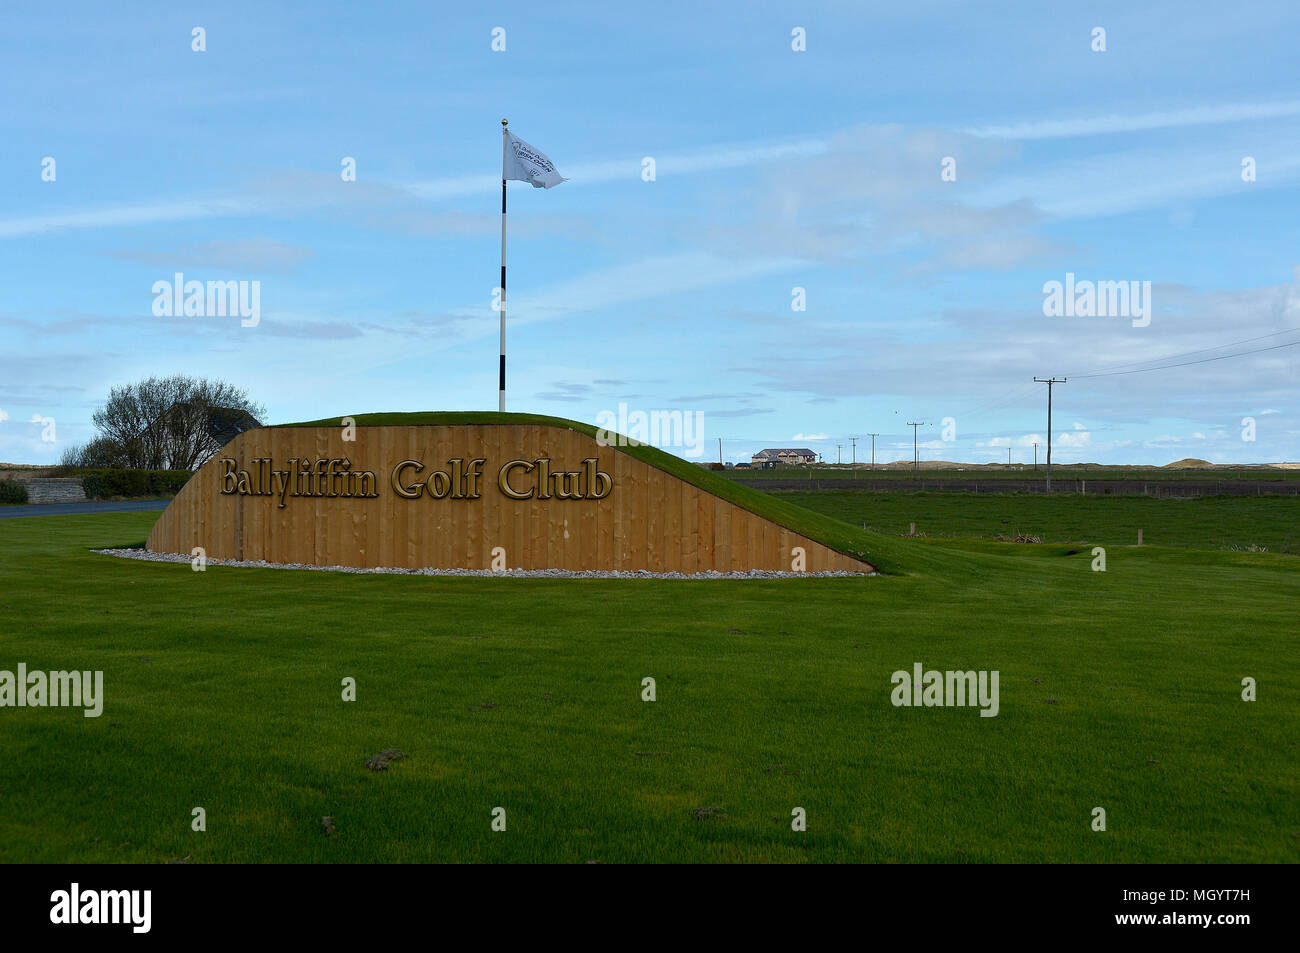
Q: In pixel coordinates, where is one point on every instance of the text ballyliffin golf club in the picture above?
(462, 479)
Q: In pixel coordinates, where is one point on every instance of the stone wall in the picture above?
(54, 490)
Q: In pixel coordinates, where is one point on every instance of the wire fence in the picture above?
(1156, 488)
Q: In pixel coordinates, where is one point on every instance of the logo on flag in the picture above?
(526, 164)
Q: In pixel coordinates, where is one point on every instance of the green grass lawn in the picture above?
(1119, 690)
(1206, 522)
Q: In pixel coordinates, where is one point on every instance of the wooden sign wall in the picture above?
(455, 497)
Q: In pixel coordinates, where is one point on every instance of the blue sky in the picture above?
(775, 169)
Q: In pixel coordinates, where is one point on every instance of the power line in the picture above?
(994, 403)
(1174, 357)
(1206, 360)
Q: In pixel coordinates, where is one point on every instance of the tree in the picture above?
(166, 423)
(102, 452)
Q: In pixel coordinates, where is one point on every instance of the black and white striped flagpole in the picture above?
(505, 151)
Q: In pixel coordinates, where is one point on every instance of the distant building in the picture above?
(226, 423)
(784, 455)
(186, 435)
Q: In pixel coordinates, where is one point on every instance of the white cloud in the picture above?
(303, 191)
(629, 170)
(247, 254)
(1104, 125)
(594, 291)
(1112, 182)
(646, 278)
(127, 215)
(810, 436)
(1067, 189)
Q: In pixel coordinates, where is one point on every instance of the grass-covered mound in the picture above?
(842, 537)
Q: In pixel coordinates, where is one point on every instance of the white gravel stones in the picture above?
(509, 573)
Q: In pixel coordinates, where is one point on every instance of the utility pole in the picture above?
(873, 449)
(838, 446)
(1035, 454)
(1008, 456)
(1049, 382)
(854, 441)
(914, 426)
(720, 451)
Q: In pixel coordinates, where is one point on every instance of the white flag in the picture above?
(526, 164)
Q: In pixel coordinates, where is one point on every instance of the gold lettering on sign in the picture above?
(566, 484)
(327, 477)
(410, 479)
(438, 484)
(472, 476)
(413, 491)
(599, 484)
(589, 483)
(544, 478)
(282, 484)
(503, 480)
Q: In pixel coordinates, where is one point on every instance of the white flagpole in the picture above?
(505, 151)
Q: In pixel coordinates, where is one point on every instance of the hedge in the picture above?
(11, 491)
(100, 484)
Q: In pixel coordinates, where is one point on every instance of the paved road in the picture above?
(77, 509)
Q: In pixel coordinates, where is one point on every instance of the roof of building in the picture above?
(787, 451)
(227, 423)
(222, 424)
